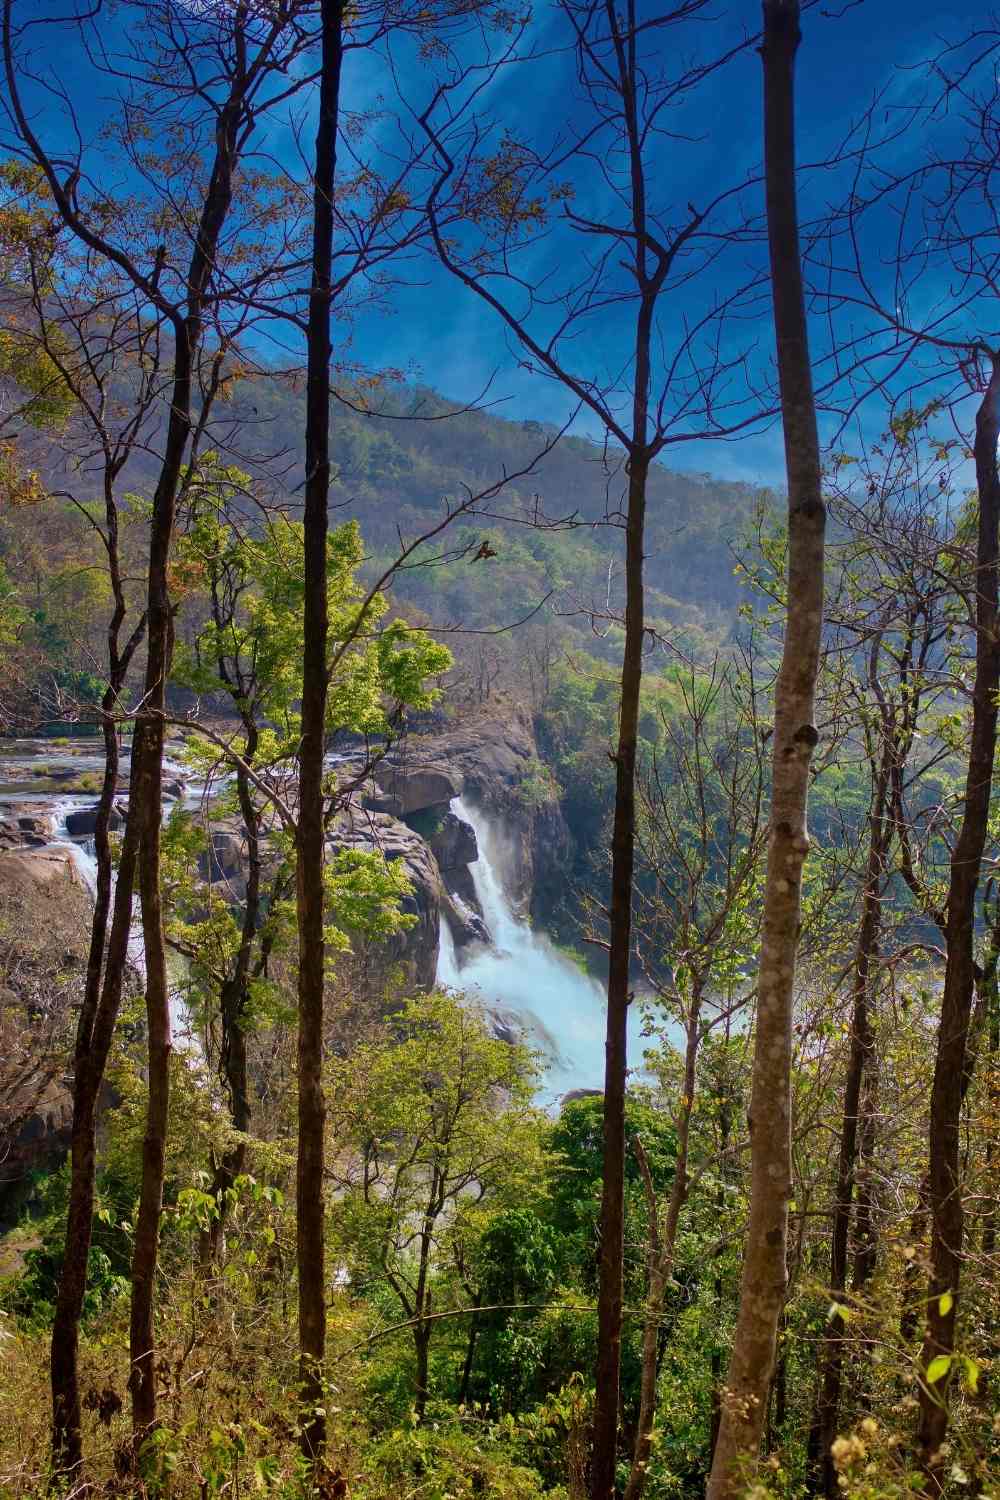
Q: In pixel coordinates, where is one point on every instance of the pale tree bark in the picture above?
(951, 1068)
(762, 1291)
(310, 841)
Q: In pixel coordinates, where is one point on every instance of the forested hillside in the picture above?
(395, 475)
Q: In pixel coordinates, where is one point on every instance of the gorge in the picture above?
(477, 852)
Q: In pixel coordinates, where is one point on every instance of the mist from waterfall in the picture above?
(526, 980)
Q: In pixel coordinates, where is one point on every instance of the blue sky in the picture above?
(445, 337)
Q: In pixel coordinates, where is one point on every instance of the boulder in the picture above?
(451, 839)
(416, 786)
(226, 856)
(25, 825)
(466, 922)
(493, 760)
(83, 820)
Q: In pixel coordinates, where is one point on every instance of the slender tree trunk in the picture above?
(145, 799)
(93, 1044)
(661, 1260)
(945, 1186)
(421, 1344)
(310, 841)
(612, 1222)
(95, 1028)
(762, 1291)
(862, 1042)
(470, 1355)
(865, 1237)
(145, 810)
(234, 1001)
(609, 1311)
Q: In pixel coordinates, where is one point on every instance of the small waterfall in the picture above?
(523, 976)
(447, 968)
(81, 851)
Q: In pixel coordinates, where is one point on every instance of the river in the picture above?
(521, 976)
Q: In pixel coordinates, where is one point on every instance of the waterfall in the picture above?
(561, 1009)
(82, 853)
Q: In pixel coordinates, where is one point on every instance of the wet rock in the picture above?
(496, 759)
(83, 820)
(466, 922)
(452, 841)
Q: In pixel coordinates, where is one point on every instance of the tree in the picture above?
(637, 255)
(438, 1120)
(219, 89)
(249, 649)
(762, 1290)
(700, 841)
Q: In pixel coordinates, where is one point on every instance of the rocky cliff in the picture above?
(44, 934)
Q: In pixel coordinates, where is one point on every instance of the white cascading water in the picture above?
(561, 1009)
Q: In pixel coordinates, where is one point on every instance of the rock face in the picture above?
(26, 825)
(45, 925)
(495, 759)
(409, 956)
(412, 784)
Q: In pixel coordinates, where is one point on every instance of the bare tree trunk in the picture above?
(145, 794)
(309, 880)
(95, 1028)
(92, 1049)
(862, 1041)
(611, 1280)
(609, 1310)
(762, 1291)
(234, 1001)
(944, 1174)
(661, 1259)
(145, 811)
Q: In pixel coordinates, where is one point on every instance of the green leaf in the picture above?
(945, 1303)
(971, 1374)
(938, 1368)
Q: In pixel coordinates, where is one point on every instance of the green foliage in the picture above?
(577, 1140)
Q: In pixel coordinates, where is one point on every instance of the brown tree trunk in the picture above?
(95, 1028)
(612, 1222)
(862, 1041)
(92, 1049)
(944, 1175)
(145, 796)
(762, 1291)
(310, 841)
(234, 1001)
